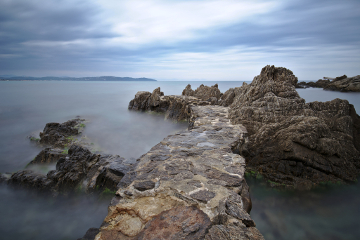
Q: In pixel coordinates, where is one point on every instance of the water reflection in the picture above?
(327, 212)
(29, 215)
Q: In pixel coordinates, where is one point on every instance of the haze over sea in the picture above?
(26, 106)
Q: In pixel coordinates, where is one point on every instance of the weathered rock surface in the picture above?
(343, 84)
(48, 155)
(187, 184)
(59, 135)
(203, 92)
(175, 107)
(293, 143)
(80, 170)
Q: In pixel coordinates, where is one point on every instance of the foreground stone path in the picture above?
(189, 186)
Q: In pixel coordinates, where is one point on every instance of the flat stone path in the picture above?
(195, 168)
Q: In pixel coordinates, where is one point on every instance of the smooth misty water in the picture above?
(25, 108)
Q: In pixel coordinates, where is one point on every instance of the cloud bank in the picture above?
(182, 40)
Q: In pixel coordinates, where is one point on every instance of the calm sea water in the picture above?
(25, 108)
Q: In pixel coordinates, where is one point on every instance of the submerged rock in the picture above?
(293, 143)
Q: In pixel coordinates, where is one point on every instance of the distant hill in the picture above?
(103, 78)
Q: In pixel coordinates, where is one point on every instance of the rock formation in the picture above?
(342, 84)
(77, 169)
(60, 134)
(48, 155)
(175, 107)
(189, 186)
(80, 170)
(203, 92)
(293, 143)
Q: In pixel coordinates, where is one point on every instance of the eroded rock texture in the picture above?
(175, 107)
(203, 92)
(48, 155)
(59, 134)
(80, 170)
(293, 143)
(189, 186)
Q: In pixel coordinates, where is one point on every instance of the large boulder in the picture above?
(293, 143)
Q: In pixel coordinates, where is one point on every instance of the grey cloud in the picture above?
(295, 24)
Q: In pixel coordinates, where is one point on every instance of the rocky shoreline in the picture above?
(342, 84)
(191, 185)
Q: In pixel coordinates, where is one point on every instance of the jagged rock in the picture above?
(235, 209)
(293, 143)
(48, 155)
(140, 102)
(175, 107)
(188, 91)
(203, 92)
(154, 99)
(81, 170)
(57, 134)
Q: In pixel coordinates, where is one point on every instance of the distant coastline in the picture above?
(103, 78)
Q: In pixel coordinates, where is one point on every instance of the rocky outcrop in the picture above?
(189, 186)
(293, 143)
(342, 84)
(175, 107)
(203, 92)
(228, 97)
(321, 83)
(60, 135)
(80, 170)
(48, 155)
(345, 84)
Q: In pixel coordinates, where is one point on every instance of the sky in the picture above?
(214, 40)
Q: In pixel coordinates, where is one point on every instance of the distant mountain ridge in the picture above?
(102, 78)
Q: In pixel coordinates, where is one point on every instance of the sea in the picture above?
(330, 212)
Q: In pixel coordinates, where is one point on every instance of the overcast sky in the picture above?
(179, 40)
